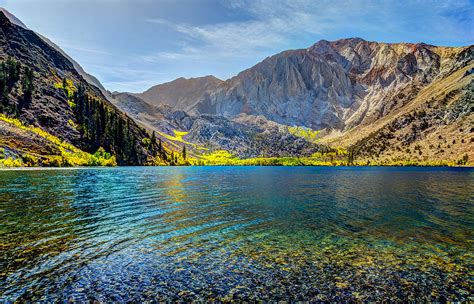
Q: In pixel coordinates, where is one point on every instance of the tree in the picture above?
(184, 152)
(28, 85)
(153, 139)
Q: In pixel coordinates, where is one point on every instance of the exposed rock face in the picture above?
(92, 80)
(181, 93)
(336, 85)
(245, 135)
(351, 89)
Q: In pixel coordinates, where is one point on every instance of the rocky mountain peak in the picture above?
(332, 84)
(4, 21)
(11, 18)
(182, 93)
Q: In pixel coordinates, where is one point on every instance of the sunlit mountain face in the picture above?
(386, 101)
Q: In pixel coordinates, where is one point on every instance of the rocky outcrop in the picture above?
(244, 135)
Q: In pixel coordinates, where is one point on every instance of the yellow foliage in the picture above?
(337, 158)
(70, 155)
(72, 123)
(10, 162)
(178, 137)
(68, 86)
(303, 132)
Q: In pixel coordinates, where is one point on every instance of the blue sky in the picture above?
(131, 45)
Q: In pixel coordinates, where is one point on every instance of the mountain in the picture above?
(181, 93)
(350, 90)
(12, 18)
(336, 85)
(244, 136)
(350, 100)
(46, 99)
(89, 78)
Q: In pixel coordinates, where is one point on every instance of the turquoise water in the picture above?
(205, 233)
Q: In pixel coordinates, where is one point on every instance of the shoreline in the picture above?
(39, 168)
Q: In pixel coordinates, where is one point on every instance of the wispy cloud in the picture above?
(85, 49)
(130, 44)
(122, 77)
(276, 24)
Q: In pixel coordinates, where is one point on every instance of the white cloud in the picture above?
(84, 49)
(276, 24)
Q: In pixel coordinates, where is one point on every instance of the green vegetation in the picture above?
(98, 122)
(306, 133)
(105, 130)
(224, 158)
(69, 154)
(10, 76)
(338, 157)
(28, 85)
(102, 126)
(69, 89)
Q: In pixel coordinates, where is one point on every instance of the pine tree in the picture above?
(184, 152)
(28, 85)
(153, 139)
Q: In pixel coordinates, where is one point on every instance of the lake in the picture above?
(207, 233)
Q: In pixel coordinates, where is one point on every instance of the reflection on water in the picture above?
(203, 233)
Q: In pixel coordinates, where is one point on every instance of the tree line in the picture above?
(14, 76)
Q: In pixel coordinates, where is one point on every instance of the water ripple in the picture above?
(222, 233)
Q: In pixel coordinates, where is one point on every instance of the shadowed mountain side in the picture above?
(181, 93)
(42, 88)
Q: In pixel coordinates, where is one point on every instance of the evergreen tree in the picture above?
(28, 85)
(65, 85)
(184, 152)
(153, 139)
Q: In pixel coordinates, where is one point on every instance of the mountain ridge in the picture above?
(180, 92)
(43, 92)
(357, 100)
(337, 87)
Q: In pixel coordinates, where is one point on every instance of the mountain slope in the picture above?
(245, 136)
(181, 93)
(13, 19)
(42, 88)
(89, 78)
(436, 126)
(351, 90)
(336, 85)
